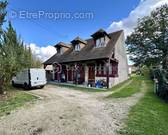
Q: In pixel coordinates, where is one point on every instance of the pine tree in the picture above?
(14, 55)
(10, 46)
(3, 5)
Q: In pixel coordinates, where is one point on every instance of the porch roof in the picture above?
(89, 52)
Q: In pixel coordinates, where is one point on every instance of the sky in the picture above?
(42, 24)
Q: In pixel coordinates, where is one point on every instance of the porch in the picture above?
(71, 85)
(97, 73)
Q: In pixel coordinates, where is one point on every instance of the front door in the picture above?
(91, 73)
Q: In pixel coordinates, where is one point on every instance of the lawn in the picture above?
(13, 100)
(132, 88)
(148, 117)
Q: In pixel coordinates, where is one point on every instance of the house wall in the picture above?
(49, 76)
(62, 49)
(112, 81)
(81, 45)
(65, 49)
(107, 39)
(86, 74)
(123, 70)
(120, 55)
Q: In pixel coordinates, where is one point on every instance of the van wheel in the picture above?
(41, 87)
(13, 84)
(26, 86)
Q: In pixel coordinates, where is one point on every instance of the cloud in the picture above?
(42, 53)
(143, 9)
(127, 24)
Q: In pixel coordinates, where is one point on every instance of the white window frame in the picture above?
(100, 42)
(77, 47)
(61, 50)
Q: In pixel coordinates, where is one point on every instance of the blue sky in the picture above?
(42, 33)
(47, 31)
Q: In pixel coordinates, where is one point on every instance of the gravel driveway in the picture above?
(64, 111)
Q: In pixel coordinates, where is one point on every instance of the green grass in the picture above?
(76, 87)
(148, 117)
(132, 88)
(16, 99)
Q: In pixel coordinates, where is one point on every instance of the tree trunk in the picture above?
(165, 63)
(1, 85)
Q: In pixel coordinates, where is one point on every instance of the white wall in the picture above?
(121, 56)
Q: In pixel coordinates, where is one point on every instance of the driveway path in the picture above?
(64, 111)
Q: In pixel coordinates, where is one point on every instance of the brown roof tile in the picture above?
(78, 39)
(62, 44)
(89, 52)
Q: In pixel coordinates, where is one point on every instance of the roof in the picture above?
(62, 44)
(89, 52)
(49, 68)
(78, 39)
(98, 33)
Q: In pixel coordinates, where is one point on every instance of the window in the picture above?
(100, 42)
(97, 42)
(100, 69)
(60, 50)
(77, 47)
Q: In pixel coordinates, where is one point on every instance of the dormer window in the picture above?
(78, 43)
(100, 42)
(61, 47)
(77, 47)
(101, 38)
(60, 50)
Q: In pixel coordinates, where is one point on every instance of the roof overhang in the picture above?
(49, 68)
(78, 40)
(61, 44)
(99, 33)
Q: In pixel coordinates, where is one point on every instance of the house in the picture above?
(102, 58)
(132, 69)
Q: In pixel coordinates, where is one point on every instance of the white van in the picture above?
(29, 78)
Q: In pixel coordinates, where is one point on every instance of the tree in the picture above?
(11, 53)
(148, 44)
(3, 5)
(15, 55)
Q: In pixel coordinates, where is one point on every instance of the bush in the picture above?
(161, 80)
